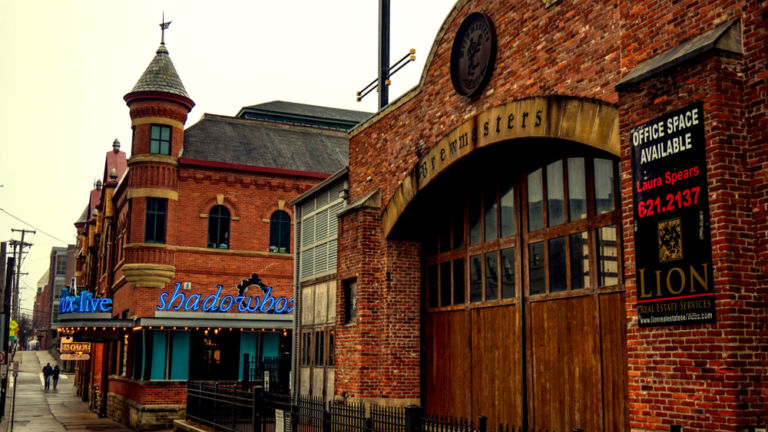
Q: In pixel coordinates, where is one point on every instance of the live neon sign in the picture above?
(178, 300)
(84, 303)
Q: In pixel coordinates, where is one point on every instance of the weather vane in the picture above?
(163, 26)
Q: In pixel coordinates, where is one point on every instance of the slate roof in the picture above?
(161, 76)
(266, 144)
(314, 115)
(83, 216)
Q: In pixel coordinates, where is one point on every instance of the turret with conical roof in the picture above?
(160, 79)
(159, 105)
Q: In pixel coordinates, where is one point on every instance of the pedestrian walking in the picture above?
(47, 373)
(56, 372)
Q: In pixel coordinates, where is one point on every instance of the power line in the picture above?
(32, 226)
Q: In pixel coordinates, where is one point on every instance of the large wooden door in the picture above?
(524, 311)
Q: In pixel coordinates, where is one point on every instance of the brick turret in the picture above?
(158, 105)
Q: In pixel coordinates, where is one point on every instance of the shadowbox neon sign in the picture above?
(83, 303)
(181, 301)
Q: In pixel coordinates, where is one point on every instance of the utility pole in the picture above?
(4, 321)
(21, 245)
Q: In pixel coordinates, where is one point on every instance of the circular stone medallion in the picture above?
(473, 55)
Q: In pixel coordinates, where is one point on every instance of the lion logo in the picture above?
(670, 240)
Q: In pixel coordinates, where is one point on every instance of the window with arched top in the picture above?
(279, 232)
(218, 227)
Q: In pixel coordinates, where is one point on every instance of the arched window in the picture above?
(218, 228)
(279, 232)
(549, 231)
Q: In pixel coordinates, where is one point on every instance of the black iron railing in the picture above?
(223, 406)
(228, 407)
(270, 373)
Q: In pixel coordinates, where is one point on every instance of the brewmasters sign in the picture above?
(671, 213)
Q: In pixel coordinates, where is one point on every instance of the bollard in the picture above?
(413, 416)
(482, 423)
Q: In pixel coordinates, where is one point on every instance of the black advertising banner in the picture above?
(672, 236)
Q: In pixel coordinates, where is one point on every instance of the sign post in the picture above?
(15, 384)
(673, 251)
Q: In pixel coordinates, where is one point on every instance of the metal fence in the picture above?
(271, 373)
(227, 407)
(223, 406)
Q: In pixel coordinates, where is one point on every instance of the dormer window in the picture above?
(160, 139)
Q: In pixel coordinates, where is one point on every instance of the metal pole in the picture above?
(383, 53)
(13, 404)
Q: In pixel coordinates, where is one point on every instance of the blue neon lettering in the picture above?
(239, 300)
(65, 306)
(195, 305)
(83, 307)
(212, 303)
(105, 305)
(214, 300)
(267, 298)
(228, 306)
(83, 303)
(278, 307)
(176, 296)
(255, 307)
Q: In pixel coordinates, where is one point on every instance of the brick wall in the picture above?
(359, 340)
(705, 377)
(149, 392)
(571, 49)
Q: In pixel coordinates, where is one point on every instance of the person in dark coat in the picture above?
(47, 373)
(55, 375)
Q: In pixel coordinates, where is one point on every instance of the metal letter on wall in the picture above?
(671, 213)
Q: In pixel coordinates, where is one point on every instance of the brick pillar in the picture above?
(377, 352)
(705, 377)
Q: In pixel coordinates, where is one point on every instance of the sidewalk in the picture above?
(52, 411)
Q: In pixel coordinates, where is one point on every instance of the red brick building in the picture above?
(59, 275)
(563, 224)
(185, 261)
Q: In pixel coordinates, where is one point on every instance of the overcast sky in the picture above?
(66, 65)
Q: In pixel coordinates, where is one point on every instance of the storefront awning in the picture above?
(213, 319)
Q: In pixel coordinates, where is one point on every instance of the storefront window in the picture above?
(213, 353)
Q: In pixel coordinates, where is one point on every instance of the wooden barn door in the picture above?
(524, 311)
